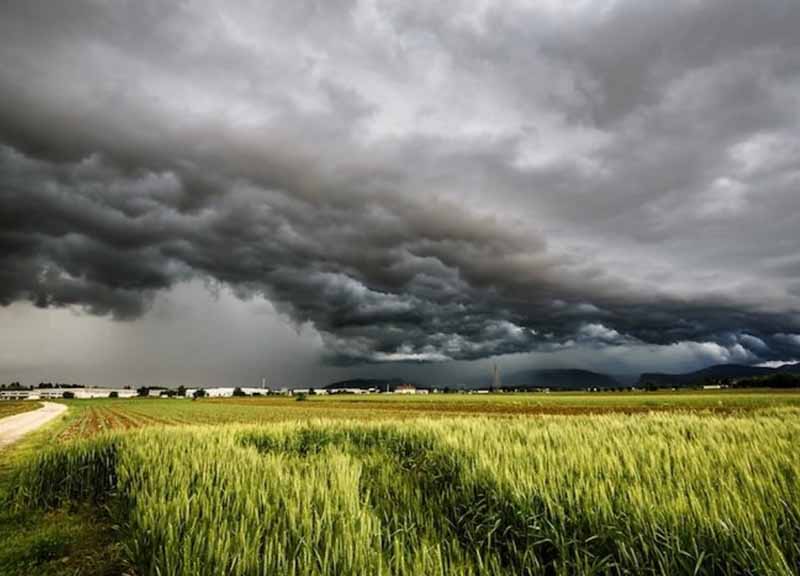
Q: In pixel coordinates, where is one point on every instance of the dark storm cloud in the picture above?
(419, 184)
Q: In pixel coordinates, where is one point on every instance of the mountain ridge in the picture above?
(713, 373)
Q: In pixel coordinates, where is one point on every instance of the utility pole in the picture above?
(496, 378)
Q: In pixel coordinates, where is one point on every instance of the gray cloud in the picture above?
(418, 184)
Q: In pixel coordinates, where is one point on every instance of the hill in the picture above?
(716, 373)
(563, 379)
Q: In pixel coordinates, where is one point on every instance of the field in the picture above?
(11, 407)
(92, 416)
(686, 483)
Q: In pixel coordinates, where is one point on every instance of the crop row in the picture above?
(89, 417)
(93, 420)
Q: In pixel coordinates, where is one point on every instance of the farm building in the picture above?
(57, 393)
(225, 391)
(409, 389)
(344, 390)
(15, 394)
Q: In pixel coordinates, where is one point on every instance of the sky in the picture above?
(207, 193)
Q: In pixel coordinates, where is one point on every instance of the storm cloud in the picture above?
(427, 183)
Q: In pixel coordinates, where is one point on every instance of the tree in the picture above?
(182, 391)
(780, 380)
(200, 393)
(238, 392)
(114, 394)
(143, 391)
(68, 395)
(15, 386)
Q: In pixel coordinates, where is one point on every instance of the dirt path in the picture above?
(12, 428)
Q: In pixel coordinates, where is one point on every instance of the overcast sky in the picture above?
(205, 192)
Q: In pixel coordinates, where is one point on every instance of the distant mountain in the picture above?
(382, 384)
(713, 373)
(626, 379)
(568, 379)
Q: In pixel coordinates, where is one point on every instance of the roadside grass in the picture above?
(73, 539)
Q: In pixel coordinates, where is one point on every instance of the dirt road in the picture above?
(12, 428)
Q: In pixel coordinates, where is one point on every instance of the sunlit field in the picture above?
(687, 483)
(92, 416)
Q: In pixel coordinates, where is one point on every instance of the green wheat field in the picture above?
(703, 484)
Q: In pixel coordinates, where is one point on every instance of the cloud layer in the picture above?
(419, 183)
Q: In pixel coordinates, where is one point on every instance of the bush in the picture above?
(301, 397)
(114, 394)
(68, 395)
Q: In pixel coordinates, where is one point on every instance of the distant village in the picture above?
(712, 378)
(53, 391)
(48, 391)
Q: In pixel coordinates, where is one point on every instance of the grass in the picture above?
(11, 407)
(72, 539)
(263, 486)
(55, 542)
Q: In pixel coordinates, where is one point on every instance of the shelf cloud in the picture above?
(432, 183)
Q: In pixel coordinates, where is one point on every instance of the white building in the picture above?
(224, 392)
(58, 393)
(15, 394)
(409, 389)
